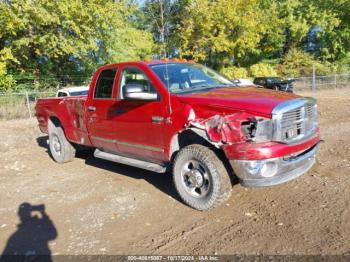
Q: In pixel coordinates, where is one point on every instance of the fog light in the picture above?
(269, 169)
(255, 167)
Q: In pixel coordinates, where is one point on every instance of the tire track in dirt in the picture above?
(316, 198)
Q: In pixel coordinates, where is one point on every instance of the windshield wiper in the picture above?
(200, 88)
(223, 85)
(196, 89)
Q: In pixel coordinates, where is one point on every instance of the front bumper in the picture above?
(274, 171)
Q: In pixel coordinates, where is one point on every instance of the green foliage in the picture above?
(159, 17)
(245, 32)
(295, 62)
(209, 32)
(44, 43)
(128, 44)
(299, 63)
(262, 69)
(234, 72)
(342, 65)
(68, 37)
(7, 83)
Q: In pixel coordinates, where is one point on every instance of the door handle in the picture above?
(92, 108)
(157, 119)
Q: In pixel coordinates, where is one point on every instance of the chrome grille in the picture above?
(295, 120)
(292, 123)
(311, 115)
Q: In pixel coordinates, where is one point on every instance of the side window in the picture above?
(104, 84)
(61, 94)
(133, 75)
(260, 82)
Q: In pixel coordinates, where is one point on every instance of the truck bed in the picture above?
(70, 112)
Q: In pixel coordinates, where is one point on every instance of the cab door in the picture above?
(140, 124)
(100, 121)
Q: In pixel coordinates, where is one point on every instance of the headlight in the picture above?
(258, 129)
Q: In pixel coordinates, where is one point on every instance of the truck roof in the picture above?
(150, 62)
(163, 61)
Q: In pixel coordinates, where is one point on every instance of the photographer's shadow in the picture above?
(30, 241)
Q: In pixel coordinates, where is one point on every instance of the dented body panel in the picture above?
(266, 150)
(237, 120)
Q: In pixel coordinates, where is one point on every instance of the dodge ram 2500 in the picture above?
(163, 115)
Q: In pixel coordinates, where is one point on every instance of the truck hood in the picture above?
(258, 101)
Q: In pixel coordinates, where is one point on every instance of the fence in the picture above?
(21, 105)
(321, 82)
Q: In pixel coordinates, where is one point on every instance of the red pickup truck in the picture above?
(162, 115)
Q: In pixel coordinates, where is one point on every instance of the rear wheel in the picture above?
(61, 149)
(201, 178)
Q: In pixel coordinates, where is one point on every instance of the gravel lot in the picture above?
(98, 207)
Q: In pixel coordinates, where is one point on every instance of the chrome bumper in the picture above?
(274, 171)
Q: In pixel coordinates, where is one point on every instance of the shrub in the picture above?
(342, 66)
(299, 63)
(233, 72)
(262, 69)
(7, 83)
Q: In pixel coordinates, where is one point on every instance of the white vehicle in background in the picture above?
(243, 82)
(73, 91)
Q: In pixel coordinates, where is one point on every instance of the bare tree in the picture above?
(159, 16)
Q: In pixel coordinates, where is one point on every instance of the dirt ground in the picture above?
(98, 207)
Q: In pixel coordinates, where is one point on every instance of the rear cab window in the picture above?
(105, 83)
(61, 94)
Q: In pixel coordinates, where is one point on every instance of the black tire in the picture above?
(61, 149)
(207, 184)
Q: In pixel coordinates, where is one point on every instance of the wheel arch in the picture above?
(193, 136)
(188, 137)
(54, 121)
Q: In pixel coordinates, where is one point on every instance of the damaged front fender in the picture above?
(221, 129)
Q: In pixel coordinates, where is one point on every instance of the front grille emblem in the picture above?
(290, 133)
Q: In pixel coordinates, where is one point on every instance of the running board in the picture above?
(129, 161)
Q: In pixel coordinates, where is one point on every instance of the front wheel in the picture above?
(201, 178)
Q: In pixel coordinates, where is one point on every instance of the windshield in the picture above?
(276, 79)
(186, 78)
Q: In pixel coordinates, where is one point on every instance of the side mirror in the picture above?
(235, 81)
(136, 92)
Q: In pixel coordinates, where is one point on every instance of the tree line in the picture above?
(44, 42)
